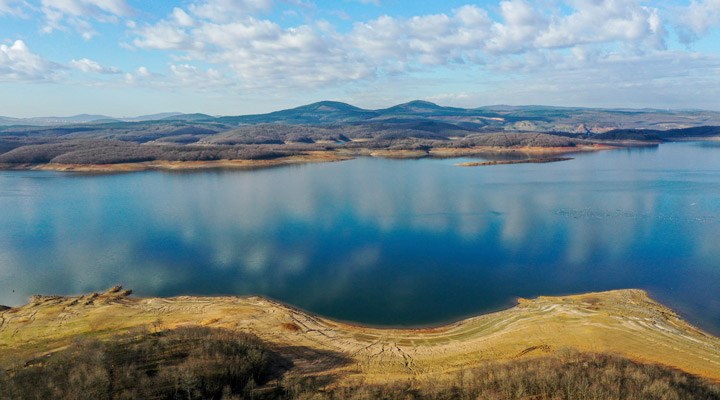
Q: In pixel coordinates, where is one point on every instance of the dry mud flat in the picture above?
(623, 322)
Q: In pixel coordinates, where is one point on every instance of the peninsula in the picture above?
(333, 131)
(625, 323)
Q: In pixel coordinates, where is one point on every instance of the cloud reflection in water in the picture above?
(377, 241)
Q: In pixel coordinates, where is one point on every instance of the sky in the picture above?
(232, 57)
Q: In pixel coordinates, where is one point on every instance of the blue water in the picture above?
(386, 242)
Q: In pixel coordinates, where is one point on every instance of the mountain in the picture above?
(422, 108)
(187, 117)
(415, 113)
(151, 117)
(324, 112)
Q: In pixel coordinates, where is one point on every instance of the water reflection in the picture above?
(377, 241)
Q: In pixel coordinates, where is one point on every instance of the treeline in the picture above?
(185, 363)
(376, 131)
(569, 376)
(658, 135)
(276, 134)
(516, 140)
(113, 152)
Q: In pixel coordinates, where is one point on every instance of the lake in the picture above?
(382, 242)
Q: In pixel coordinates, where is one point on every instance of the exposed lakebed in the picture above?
(387, 242)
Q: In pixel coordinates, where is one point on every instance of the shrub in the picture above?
(185, 363)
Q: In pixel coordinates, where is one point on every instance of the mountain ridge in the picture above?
(330, 112)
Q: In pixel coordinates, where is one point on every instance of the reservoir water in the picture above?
(383, 242)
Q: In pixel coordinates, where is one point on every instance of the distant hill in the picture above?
(425, 108)
(501, 117)
(49, 121)
(89, 118)
(533, 118)
(324, 112)
(8, 121)
(151, 117)
(187, 117)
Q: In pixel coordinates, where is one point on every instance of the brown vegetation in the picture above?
(515, 140)
(204, 363)
(184, 363)
(115, 152)
(185, 142)
(565, 376)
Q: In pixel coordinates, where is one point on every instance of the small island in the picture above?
(525, 161)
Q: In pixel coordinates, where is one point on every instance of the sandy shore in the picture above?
(623, 322)
(309, 157)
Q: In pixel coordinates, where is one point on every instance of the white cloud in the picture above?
(12, 7)
(165, 35)
(259, 52)
(667, 78)
(18, 63)
(228, 43)
(189, 75)
(431, 39)
(604, 21)
(182, 18)
(87, 65)
(698, 18)
(526, 28)
(522, 24)
(180, 76)
(78, 14)
(142, 75)
(228, 10)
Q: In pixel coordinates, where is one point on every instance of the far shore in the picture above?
(533, 153)
(162, 165)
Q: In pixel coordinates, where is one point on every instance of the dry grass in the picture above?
(564, 376)
(186, 363)
(625, 322)
(203, 363)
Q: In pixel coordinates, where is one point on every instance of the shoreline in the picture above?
(309, 157)
(624, 322)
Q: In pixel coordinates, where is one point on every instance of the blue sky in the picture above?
(230, 57)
